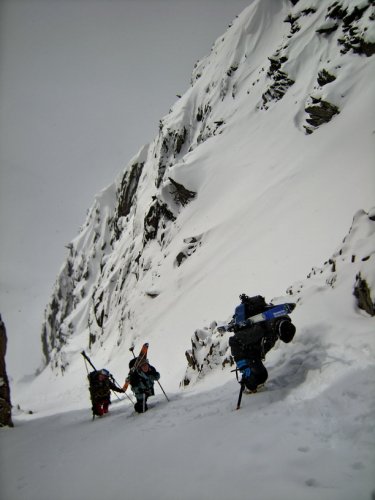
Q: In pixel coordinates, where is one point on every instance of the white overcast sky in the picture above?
(83, 84)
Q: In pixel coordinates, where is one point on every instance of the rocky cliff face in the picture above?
(5, 402)
(280, 73)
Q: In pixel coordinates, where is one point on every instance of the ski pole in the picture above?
(129, 398)
(162, 390)
(240, 395)
(115, 393)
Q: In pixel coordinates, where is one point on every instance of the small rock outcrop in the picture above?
(280, 81)
(156, 217)
(180, 193)
(320, 112)
(363, 296)
(209, 350)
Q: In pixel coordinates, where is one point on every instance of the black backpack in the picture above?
(255, 305)
(250, 306)
(132, 363)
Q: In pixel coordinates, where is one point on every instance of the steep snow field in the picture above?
(271, 201)
(283, 443)
(309, 434)
(273, 204)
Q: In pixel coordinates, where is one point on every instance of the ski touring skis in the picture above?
(138, 361)
(273, 313)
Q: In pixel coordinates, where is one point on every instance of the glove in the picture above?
(246, 373)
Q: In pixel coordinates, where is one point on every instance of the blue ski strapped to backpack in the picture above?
(273, 313)
(241, 318)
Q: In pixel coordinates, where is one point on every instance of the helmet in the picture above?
(104, 372)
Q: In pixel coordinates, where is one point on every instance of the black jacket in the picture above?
(254, 341)
(101, 389)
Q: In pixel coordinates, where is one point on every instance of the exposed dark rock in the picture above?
(320, 112)
(324, 77)
(45, 345)
(171, 146)
(158, 212)
(308, 11)
(99, 310)
(232, 69)
(281, 81)
(92, 339)
(358, 45)
(355, 15)
(278, 89)
(128, 188)
(203, 112)
(5, 402)
(191, 246)
(363, 296)
(294, 26)
(180, 258)
(353, 39)
(180, 138)
(208, 131)
(209, 350)
(336, 11)
(161, 171)
(275, 65)
(62, 303)
(191, 362)
(180, 193)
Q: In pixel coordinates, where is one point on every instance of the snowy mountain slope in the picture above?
(257, 199)
(308, 435)
(254, 202)
(277, 446)
(328, 309)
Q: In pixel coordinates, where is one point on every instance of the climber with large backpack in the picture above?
(100, 388)
(252, 340)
